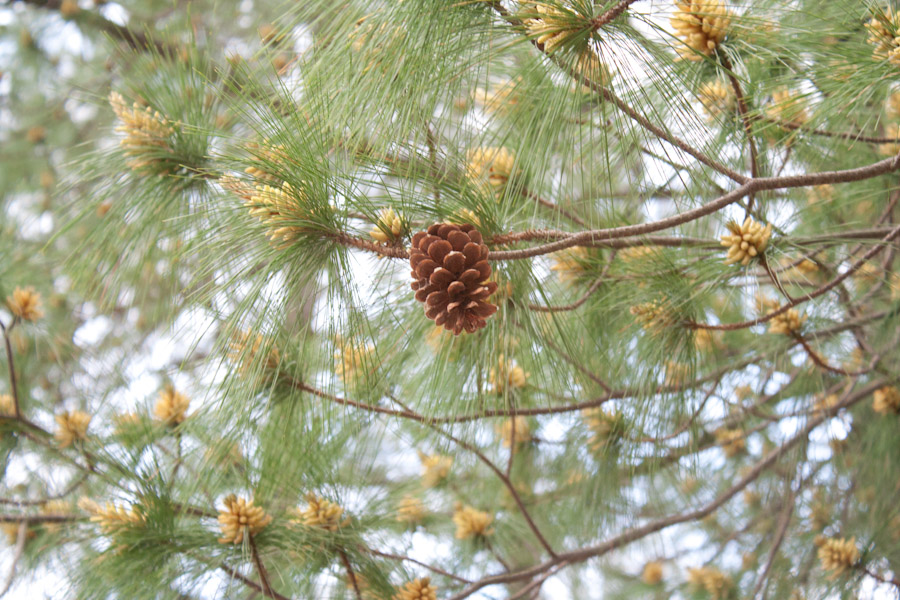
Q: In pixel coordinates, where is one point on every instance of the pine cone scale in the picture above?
(450, 274)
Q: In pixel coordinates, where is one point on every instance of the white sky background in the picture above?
(164, 351)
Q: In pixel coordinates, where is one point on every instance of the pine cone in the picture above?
(450, 272)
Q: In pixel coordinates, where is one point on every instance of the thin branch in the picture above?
(611, 14)
(21, 536)
(888, 580)
(824, 289)
(12, 368)
(432, 568)
(747, 123)
(350, 574)
(567, 240)
(631, 535)
(783, 523)
(250, 583)
(554, 207)
(260, 568)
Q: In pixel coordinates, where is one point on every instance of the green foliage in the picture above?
(211, 233)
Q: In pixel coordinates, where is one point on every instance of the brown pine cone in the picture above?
(450, 272)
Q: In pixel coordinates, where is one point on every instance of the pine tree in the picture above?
(451, 299)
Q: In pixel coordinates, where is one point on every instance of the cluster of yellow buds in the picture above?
(825, 402)
(746, 241)
(606, 427)
(410, 510)
(838, 555)
(803, 270)
(884, 34)
(787, 323)
(638, 253)
(702, 26)
(171, 407)
(435, 468)
(267, 154)
(353, 360)
(320, 513)
(25, 304)
(490, 167)
(788, 107)
(500, 98)
(570, 263)
(677, 373)
(717, 98)
(417, 589)
(371, 40)
(72, 426)
(820, 193)
(279, 209)
(7, 406)
(389, 227)
(589, 66)
(514, 432)
(507, 375)
(732, 441)
(471, 522)
(147, 132)
(241, 519)
(711, 580)
(552, 25)
(110, 518)
(245, 349)
(655, 316)
(706, 339)
(886, 400)
(652, 573)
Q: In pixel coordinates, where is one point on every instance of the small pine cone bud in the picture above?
(73, 427)
(69, 9)
(786, 323)
(788, 107)
(606, 426)
(471, 522)
(450, 274)
(713, 581)
(417, 589)
(717, 98)
(7, 406)
(389, 227)
(884, 29)
(491, 167)
(655, 316)
(435, 468)
(552, 26)
(653, 573)
(410, 510)
(838, 555)
(321, 513)
(515, 431)
(886, 400)
(240, 519)
(746, 241)
(702, 26)
(171, 407)
(110, 518)
(731, 440)
(507, 375)
(147, 132)
(25, 304)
